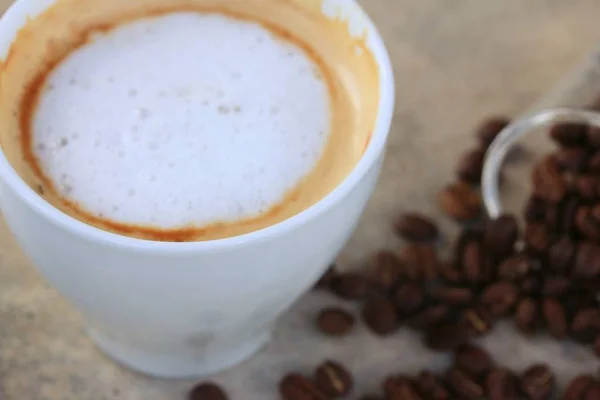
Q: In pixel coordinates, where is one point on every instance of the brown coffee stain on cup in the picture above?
(346, 65)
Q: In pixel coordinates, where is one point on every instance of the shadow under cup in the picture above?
(190, 309)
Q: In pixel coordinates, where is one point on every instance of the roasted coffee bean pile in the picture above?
(545, 277)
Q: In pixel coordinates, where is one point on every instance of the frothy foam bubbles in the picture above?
(182, 119)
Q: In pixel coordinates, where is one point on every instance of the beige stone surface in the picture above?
(455, 61)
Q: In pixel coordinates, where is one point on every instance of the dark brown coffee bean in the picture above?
(501, 384)
(568, 134)
(501, 235)
(450, 273)
(463, 384)
(592, 392)
(499, 298)
(593, 136)
(585, 324)
(576, 389)
(333, 379)
(399, 388)
(587, 261)
(470, 166)
(535, 209)
(586, 224)
(597, 345)
(431, 387)
(537, 237)
(326, 278)
(461, 202)
(476, 321)
(473, 261)
(527, 316)
(380, 315)
(207, 391)
(421, 261)
(490, 128)
(473, 360)
(567, 218)
(515, 268)
(416, 227)
(556, 286)
(335, 321)
(587, 186)
(555, 317)
(573, 159)
(446, 337)
(351, 285)
(537, 383)
(594, 162)
(561, 255)
(295, 386)
(453, 296)
(387, 269)
(547, 180)
(532, 284)
(371, 397)
(429, 317)
(408, 298)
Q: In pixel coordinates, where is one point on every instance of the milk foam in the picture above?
(181, 119)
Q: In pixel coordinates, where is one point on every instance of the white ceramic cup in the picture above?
(191, 309)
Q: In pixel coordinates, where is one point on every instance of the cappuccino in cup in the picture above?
(186, 120)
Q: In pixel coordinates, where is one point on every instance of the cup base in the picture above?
(178, 366)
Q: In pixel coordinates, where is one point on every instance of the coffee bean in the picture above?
(408, 298)
(473, 360)
(527, 316)
(532, 284)
(473, 261)
(567, 219)
(490, 128)
(592, 392)
(537, 383)
(333, 379)
(586, 224)
(449, 273)
(400, 388)
(429, 317)
(499, 298)
(351, 285)
(335, 321)
(593, 164)
(476, 321)
(431, 387)
(547, 180)
(207, 391)
(461, 202)
(501, 384)
(587, 261)
(535, 209)
(515, 268)
(561, 255)
(387, 269)
(295, 386)
(537, 237)
(593, 136)
(380, 315)
(371, 397)
(454, 296)
(470, 166)
(326, 278)
(556, 286)
(446, 336)
(577, 388)
(416, 227)
(573, 159)
(585, 324)
(568, 134)
(463, 384)
(555, 317)
(501, 235)
(421, 261)
(587, 186)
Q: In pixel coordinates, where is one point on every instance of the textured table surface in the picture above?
(455, 61)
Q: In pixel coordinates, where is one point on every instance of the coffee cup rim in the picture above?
(372, 153)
